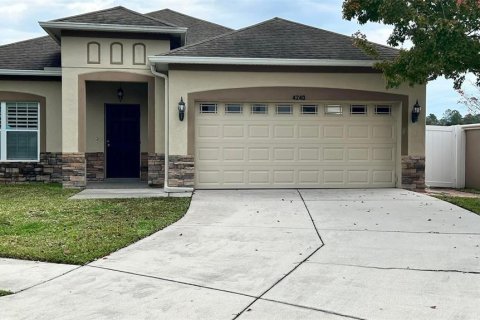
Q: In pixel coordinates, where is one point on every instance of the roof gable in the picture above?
(116, 16)
(198, 29)
(281, 39)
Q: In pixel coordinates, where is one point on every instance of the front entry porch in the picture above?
(123, 189)
(116, 132)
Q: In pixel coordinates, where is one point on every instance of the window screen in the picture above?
(19, 131)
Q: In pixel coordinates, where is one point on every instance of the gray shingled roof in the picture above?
(34, 54)
(117, 15)
(282, 39)
(198, 30)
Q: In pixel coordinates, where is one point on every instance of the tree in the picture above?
(470, 101)
(451, 118)
(432, 120)
(444, 35)
(471, 119)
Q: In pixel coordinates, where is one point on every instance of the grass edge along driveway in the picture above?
(5, 293)
(471, 204)
(38, 222)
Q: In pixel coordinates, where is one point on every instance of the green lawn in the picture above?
(470, 190)
(4, 293)
(38, 222)
(472, 204)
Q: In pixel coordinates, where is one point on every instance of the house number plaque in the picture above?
(299, 97)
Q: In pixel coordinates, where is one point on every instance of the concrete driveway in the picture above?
(281, 254)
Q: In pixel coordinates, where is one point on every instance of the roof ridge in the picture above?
(22, 41)
(148, 17)
(332, 32)
(186, 15)
(217, 37)
(114, 8)
(85, 13)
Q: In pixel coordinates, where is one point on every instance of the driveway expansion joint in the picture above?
(173, 281)
(48, 280)
(396, 268)
(277, 282)
(314, 309)
(402, 231)
(322, 244)
(311, 218)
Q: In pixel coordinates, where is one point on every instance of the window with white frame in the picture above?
(357, 109)
(284, 109)
(19, 131)
(233, 108)
(383, 109)
(258, 108)
(309, 109)
(208, 108)
(333, 109)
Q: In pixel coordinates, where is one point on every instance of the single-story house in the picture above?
(184, 103)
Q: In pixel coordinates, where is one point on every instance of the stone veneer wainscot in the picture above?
(413, 173)
(48, 169)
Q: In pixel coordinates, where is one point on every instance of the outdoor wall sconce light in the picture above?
(416, 112)
(120, 94)
(181, 109)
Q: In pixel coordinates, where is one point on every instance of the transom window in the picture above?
(358, 109)
(383, 109)
(259, 108)
(284, 109)
(208, 108)
(19, 131)
(309, 109)
(233, 108)
(334, 109)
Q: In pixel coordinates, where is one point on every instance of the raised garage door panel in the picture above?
(293, 150)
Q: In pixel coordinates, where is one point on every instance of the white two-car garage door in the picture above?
(290, 145)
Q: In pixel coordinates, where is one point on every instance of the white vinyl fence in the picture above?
(445, 156)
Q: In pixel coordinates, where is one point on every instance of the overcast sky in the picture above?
(20, 21)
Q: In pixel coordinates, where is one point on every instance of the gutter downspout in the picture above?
(167, 136)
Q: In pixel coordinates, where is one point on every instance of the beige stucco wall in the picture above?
(70, 106)
(52, 91)
(159, 115)
(184, 82)
(74, 51)
(74, 64)
(98, 94)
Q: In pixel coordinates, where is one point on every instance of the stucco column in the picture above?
(413, 163)
(73, 142)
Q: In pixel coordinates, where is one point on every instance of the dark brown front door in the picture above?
(122, 131)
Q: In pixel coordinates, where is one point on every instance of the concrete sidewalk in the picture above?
(281, 254)
(18, 275)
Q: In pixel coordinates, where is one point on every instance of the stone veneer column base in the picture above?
(181, 171)
(144, 166)
(74, 170)
(156, 169)
(413, 173)
(48, 169)
(95, 166)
